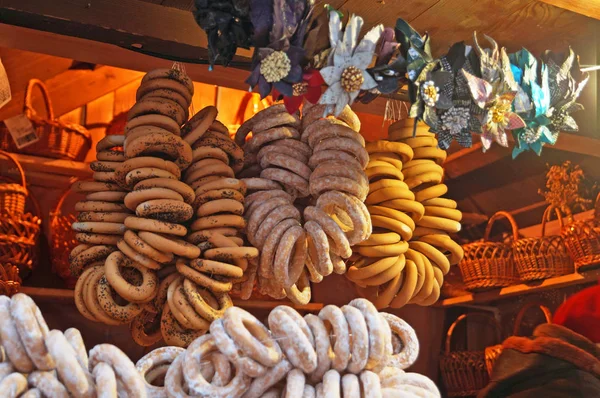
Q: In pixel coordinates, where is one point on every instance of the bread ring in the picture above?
(217, 221)
(294, 336)
(106, 196)
(174, 334)
(87, 255)
(299, 293)
(97, 239)
(199, 124)
(79, 294)
(182, 310)
(144, 162)
(405, 151)
(247, 126)
(387, 194)
(374, 325)
(120, 313)
(217, 194)
(392, 225)
(400, 130)
(383, 238)
(421, 141)
(196, 297)
(208, 152)
(170, 245)
(387, 183)
(369, 267)
(341, 244)
(104, 165)
(180, 187)
(220, 206)
(136, 256)
(386, 172)
(111, 155)
(283, 150)
(288, 179)
(15, 351)
(202, 279)
(104, 176)
(439, 241)
(433, 192)
(340, 169)
(290, 256)
(154, 120)
(145, 329)
(328, 201)
(124, 369)
(394, 214)
(394, 249)
(286, 162)
(333, 155)
(154, 359)
(46, 383)
(319, 245)
(168, 144)
(271, 220)
(128, 291)
(212, 267)
(324, 129)
(334, 316)
(442, 223)
(222, 183)
(391, 158)
(135, 198)
(436, 154)
(415, 171)
(426, 178)
(207, 167)
(170, 95)
(270, 246)
(433, 254)
(162, 106)
(93, 186)
(347, 145)
(205, 234)
(262, 122)
(441, 202)
(97, 206)
(410, 343)
(93, 216)
(99, 227)
(444, 212)
(336, 183)
(169, 76)
(413, 208)
(90, 297)
(234, 152)
(157, 226)
(168, 210)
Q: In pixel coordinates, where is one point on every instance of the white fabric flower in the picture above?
(348, 57)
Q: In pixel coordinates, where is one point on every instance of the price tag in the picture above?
(5, 95)
(21, 130)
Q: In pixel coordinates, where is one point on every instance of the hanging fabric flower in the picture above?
(498, 116)
(415, 49)
(346, 74)
(535, 134)
(433, 94)
(276, 67)
(309, 88)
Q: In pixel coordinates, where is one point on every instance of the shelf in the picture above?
(47, 294)
(522, 289)
(38, 164)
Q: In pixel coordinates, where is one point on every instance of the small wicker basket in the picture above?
(464, 372)
(582, 239)
(56, 139)
(62, 240)
(13, 196)
(489, 264)
(543, 257)
(492, 353)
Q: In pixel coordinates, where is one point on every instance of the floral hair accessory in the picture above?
(346, 74)
(227, 26)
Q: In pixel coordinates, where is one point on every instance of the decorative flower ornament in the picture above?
(276, 67)
(432, 95)
(309, 88)
(346, 74)
(498, 116)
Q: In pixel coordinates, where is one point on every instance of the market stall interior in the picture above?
(438, 158)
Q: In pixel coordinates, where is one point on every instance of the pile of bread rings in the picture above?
(240, 357)
(38, 362)
(405, 259)
(310, 167)
(138, 262)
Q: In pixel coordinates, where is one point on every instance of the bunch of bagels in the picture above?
(405, 259)
(294, 357)
(180, 216)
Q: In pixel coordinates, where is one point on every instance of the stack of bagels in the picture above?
(312, 167)
(405, 259)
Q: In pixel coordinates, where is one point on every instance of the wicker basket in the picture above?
(62, 240)
(12, 196)
(492, 353)
(490, 264)
(582, 239)
(464, 372)
(543, 257)
(56, 139)
(19, 238)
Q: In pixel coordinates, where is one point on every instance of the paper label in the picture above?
(5, 95)
(21, 130)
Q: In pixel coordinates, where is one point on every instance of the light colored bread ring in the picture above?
(168, 144)
(110, 141)
(149, 225)
(145, 161)
(99, 227)
(168, 210)
(170, 245)
(93, 186)
(161, 106)
(111, 155)
(107, 196)
(199, 124)
(180, 187)
(135, 198)
(153, 120)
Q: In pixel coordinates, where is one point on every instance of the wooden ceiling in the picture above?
(534, 24)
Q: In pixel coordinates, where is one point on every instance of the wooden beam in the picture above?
(589, 8)
(467, 160)
(73, 89)
(144, 27)
(473, 218)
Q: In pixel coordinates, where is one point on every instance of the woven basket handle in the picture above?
(465, 316)
(548, 215)
(28, 106)
(16, 162)
(58, 209)
(523, 311)
(498, 215)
